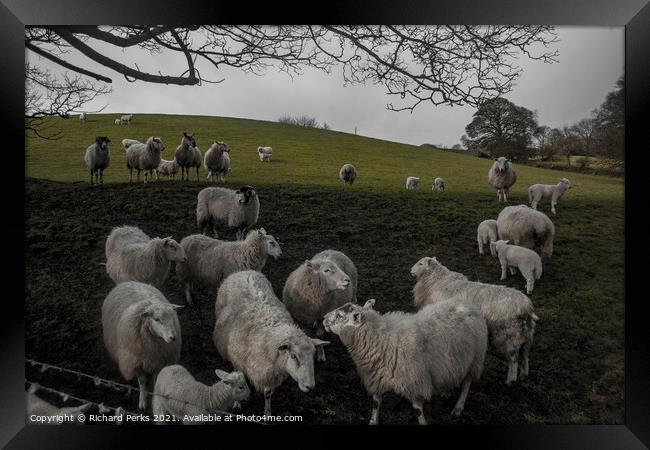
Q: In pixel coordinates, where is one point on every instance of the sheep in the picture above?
(319, 285)
(348, 174)
(265, 153)
(412, 182)
(126, 143)
(217, 160)
(527, 227)
(209, 260)
(126, 119)
(83, 116)
(145, 157)
(486, 233)
(413, 355)
(48, 413)
(167, 168)
(98, 158)
(186, 156)
(508, 313)
(118, 122)
(502, 176)
(552, 192)
(131, 255)
(439, 184)
(527, 261)
(177, 396)
(254, 331)
(141, 332)
(236, 209)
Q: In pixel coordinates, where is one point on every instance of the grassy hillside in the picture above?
(577, 359)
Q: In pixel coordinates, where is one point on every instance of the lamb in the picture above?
(118, 122)
(186, 156)
(512, 256)
(486, 233)
(502, 176)
(508, 313)
(439, 184)
(180, 396)
(209, 260)
(318, 286)
(131, 255)
(412, 182)
(527, 227)
(48, 413)
(141, 332)
(265, 153)
(552, 192)
(83, 116)
(167, 168)
(236, 209)
(414, 355)
(126, 143)
(126, 119)
(217, 160)
(348, 174)
(98, 158)
(145, 157)
(254, 331)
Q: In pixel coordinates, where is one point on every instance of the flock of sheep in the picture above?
(415, 355)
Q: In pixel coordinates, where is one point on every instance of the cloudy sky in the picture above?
(590, 61)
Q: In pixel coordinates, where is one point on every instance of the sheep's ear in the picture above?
(98, 139)
(319, 343)
(221, 374)
(185, 134)
(176, 306)
(309, 264)
(262, 230)
(369, 304)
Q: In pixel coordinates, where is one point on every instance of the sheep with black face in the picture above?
(235, 209)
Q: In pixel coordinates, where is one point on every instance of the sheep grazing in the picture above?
(145, 157)
(265, 153)
(167, 168)
(186, 156)
(348, 174)
(254, 331)
(512, 256)
(319, 285)
(440, 347)
(83, 116)
(131, 255)
(178, 396)
(126, 119)
(98, 158)
(126, 143)
(502, 176)
(508, 313)
(439, 185)
(209, 260)
(552, 192)
(486, 233)
(236, 209)
(527, 227)
(118, 122)
(141, 332)
(48, 413)
(217, 160)
(412, 182)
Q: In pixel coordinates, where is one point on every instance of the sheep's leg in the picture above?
(197, 174)
(418, 407)
(320, 354)
(523, 358)
(460, 403)
(130, 175)
(553, 206)
(480, 246)
(504, 270)
(534, 204)
(101, 176)
(513, 271)
(530, 283)
(268, 392)
(138, 175)
(376, 404)
(91, 176)
(188, 294)
(142, 382)
(512, 369)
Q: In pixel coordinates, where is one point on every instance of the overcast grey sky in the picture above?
(590, 61)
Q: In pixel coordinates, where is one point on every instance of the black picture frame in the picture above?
(634, 15)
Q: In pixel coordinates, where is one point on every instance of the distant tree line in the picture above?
(303, 121)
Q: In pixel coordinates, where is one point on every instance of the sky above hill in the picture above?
(590, 61)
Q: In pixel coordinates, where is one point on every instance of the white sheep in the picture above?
(209, 260)
(527, 227)
(177, 396)
(413, 355)
(439, 184)
(412, 182)
(118, 122)
(145, 157)
(512, 256)
(508, 312)
(126, 119)
(265, 153)
(552, 192)
(98, 158)
(348, 174)
(319, 285)
(236, 209)
(217, 160)
(83, 116)
(486, 233)
(502, 176)
(141, 332)
(126, 143)
(254, 331)
(131, 255)
(186, 156)
(38, 411)
(167, 168)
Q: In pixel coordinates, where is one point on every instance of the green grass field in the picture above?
(577, 359)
